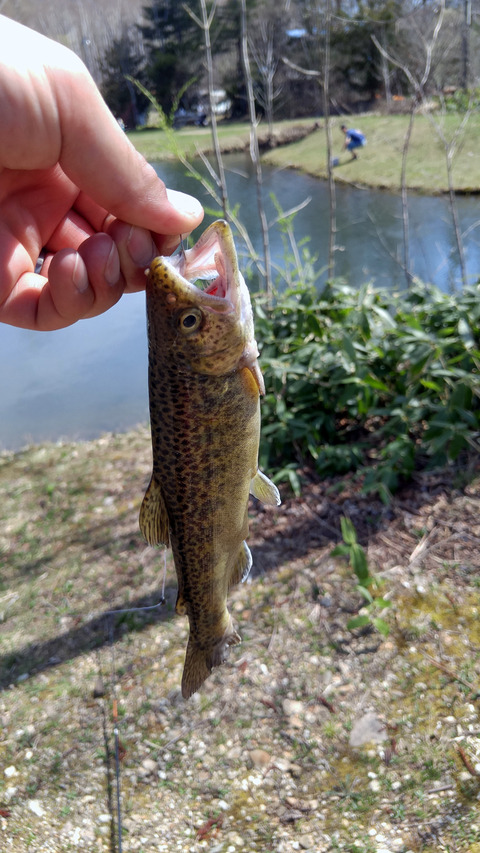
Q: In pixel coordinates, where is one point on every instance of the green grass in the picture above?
(379, 163)
(156, 144)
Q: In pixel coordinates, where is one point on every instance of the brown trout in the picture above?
(204, 387)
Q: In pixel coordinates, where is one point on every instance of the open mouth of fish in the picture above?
(209, 270)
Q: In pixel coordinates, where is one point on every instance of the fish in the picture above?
(205, 385)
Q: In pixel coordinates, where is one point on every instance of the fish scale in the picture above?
(204, 388)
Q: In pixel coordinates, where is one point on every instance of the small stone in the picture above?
(149, 765)
(294, 803)
(234, 753)
(104, 818)
(292, 707)
(36, 808)
(306, 842)
(10, 771)
(260, 758)
(282, 764)
(98, 688)
(367, 729)
(235, 839)
(290, 816)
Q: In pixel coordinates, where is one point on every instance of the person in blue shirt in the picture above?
(353, 139)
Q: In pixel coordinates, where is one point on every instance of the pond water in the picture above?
(92, 377)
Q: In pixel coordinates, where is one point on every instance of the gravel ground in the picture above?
(312, 737)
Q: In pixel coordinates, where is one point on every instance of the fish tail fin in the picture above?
(196, 669)
(199, 661)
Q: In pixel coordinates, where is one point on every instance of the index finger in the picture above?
(100, 159)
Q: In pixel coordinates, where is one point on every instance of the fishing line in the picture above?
(116, 735)
(116, 742)
(144, 607)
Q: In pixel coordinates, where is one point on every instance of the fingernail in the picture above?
(79, 275)
(141, 247)
(169, 244)
(111, 269)
(184, 203)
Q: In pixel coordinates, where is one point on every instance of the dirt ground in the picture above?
(312, 737)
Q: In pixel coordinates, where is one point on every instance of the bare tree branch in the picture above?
(332, 198)
(418, 87)
(205, 24)
(307, 72)
(254, 150)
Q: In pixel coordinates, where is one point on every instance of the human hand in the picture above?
(73, 188)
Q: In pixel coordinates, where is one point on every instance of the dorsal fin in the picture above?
(153, 516)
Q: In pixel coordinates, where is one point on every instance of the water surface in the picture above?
(92, 377)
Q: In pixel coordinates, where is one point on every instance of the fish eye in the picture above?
(190, 320)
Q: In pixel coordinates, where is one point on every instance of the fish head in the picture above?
(209, 329)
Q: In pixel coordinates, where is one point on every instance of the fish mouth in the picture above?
(212, 263)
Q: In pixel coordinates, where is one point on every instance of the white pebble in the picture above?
(36, 808)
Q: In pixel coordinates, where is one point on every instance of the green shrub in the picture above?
(461, 101)
(368, 381)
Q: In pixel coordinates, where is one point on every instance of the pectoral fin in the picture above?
(241, 569)
(263, 489)
(253, 380)
(153, 516)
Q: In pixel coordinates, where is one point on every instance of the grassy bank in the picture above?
(379, 163)
(155, 144)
